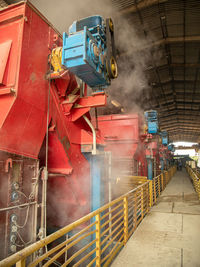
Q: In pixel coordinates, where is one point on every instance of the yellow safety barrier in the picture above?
(195, 179)
(197, 172)
(158, 184)
(96, 238)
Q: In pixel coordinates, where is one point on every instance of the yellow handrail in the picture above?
(97, 237)
(195, 179)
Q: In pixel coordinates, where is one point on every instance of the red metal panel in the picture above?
(11, 27)
(120, 127)
(23, 113)
(4, 52)
(58, 160)
(68, 196)
(97, 100)
(122, 135)
(10, 31)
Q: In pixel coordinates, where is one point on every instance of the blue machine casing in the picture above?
(152, 121)
(164, 136)
(84, 51)
(150, 168)
(171, 147)
(162, 164)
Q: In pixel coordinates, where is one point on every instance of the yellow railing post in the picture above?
(195, 179)
(164, 178)
(142, 202)
(98, 241)
(159, 185)
(150, 193)
(147, 198)
(154, 189)
(167, 177)
(125, 220)
(162, 184)
(21, 263)
(135, 211)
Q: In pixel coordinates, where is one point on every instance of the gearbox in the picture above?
(89, 51)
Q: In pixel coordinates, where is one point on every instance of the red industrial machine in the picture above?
(124, 138)
(45, 131)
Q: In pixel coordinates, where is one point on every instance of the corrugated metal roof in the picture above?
(175, 78)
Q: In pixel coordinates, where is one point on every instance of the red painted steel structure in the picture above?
(26, 41)
(124, 138)
(166, 155)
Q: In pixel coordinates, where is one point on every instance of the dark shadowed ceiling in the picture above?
(174, 78)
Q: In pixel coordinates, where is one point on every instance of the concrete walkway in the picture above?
(170, 234)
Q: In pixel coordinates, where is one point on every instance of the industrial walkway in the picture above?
(170, 233)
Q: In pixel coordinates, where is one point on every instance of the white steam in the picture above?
(132, 81)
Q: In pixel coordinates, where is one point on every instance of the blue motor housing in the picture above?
(85, 51)
(164, 136)
(171, 147)
(152, 121)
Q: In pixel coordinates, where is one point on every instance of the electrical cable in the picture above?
(24, 243)
(26, 219)
(20, 192)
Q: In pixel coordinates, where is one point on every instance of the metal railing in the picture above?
(96, 238)
(195, 179)
(158, 184)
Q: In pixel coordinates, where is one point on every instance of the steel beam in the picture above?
(141, 5)
(175, 65)
(172, 121)
(181, 110)
(155, 84)
(173, 40)
(185, 128)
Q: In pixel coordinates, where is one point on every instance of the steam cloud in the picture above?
(128, 89)
(132, 82)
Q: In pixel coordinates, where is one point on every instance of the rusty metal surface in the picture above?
(18, 185)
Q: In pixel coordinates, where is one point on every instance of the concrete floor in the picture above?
(170, 234)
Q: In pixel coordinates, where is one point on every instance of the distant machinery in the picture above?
(124, 140)
(158, 152)
(171, 147)
(152, 150)
(164, 137)
(152, 121)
